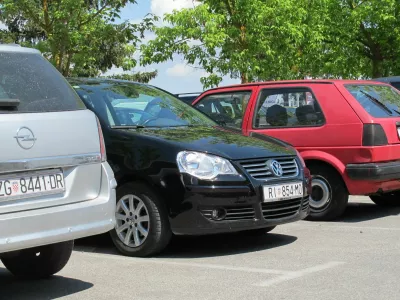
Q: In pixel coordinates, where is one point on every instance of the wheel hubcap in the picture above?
(321, 193)
(133, 223)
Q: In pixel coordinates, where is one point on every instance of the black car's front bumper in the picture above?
(244, 206)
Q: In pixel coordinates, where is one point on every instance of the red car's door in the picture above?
(306, 115)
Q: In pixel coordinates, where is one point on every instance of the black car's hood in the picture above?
(218, 141)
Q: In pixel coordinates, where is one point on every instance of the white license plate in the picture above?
(283, 191)
(30, 185)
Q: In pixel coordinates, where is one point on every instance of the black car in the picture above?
(394, 81)
(188, 98)
(180, 173)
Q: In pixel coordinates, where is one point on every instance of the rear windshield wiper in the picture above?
(128, 127)
(376, 101)
(9, 104)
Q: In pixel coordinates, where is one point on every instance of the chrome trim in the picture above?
(12, 166)
(259, 169)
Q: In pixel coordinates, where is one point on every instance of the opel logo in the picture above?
(25, 138)
(275, 167)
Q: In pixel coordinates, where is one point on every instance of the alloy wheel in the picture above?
(132, 221)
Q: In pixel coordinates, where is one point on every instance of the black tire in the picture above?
(159, 232)
(329, 187)
(390, 199)
(39, 262)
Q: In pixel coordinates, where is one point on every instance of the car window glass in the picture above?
(379, 101)
(131, 104)
(228, 108)
(396, 85)
(38, 86)
(287, 108)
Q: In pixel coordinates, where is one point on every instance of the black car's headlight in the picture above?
(204, 166)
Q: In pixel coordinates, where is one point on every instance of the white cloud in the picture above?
(181, 70)
(3, 26)
(161, 7)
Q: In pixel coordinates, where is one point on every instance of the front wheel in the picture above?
(142, 226)
(39, 262)
(389, 199)
(329, 195)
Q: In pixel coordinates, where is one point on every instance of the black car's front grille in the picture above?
(233, 213)
(258, 169)
(280, 209)
(306, 203)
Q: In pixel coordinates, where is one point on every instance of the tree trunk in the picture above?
(244, 77)
(377, 68)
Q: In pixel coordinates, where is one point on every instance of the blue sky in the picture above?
(174, 76)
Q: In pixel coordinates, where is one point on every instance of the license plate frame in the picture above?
(272, 190)
(16, 177)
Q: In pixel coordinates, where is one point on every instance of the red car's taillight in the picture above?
(374, 135)
(102, 144)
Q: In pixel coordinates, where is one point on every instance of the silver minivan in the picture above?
(55, 183)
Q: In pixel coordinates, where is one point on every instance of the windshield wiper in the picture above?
(128, 127)
(376, 101)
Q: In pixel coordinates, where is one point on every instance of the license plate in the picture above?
(30, 185)
(283, 191)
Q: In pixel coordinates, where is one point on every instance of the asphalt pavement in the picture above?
(356, 257)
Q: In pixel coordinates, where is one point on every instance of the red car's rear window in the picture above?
(380, 101)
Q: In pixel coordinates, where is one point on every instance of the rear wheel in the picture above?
(39, 262)
(142, 226)
(329, 196)
(389, 199)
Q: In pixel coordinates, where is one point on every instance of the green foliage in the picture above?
(282, 39)
(77, 36)
(250, 40)
(357, 38)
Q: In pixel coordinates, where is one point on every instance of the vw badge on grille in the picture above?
(275, 168)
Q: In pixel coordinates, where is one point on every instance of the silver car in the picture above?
(55, 183)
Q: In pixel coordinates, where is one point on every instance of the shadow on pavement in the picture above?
(46, 289)
(360, 212)
(198, 246)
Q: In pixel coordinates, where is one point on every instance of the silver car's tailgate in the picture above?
(41, 143)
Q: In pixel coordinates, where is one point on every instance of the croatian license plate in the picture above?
(31, 184)
(283, 191)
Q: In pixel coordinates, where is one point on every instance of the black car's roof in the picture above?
(388, 79)
(102, 80)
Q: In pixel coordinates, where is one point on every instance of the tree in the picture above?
(360, 38)
(77, 36)
(250, 40)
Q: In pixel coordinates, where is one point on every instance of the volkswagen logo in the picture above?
(25, 138)
(275, 167)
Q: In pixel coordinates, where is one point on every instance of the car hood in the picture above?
(218, 141)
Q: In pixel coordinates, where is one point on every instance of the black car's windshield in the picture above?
(123, 104)
(379, 101)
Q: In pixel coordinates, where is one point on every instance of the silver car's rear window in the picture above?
(30, 80)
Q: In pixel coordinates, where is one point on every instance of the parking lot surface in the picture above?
(356, 257)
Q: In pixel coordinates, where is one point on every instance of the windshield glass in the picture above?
(32, 82)
(134, 104)
(378, 100)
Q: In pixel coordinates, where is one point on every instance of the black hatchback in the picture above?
(180, 173)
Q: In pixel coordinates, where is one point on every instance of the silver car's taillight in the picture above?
(102, 144)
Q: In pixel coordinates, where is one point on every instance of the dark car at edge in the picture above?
(178, 172)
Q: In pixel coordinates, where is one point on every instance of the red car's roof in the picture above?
(322, 81)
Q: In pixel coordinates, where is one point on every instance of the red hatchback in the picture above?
(348, 133)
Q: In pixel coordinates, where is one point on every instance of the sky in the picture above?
(174, 76)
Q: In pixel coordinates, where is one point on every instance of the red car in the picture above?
(348, 133)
